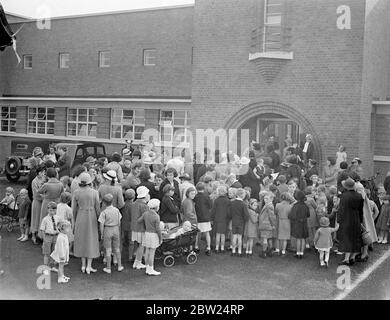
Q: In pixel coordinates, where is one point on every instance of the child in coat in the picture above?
(202, 207)
(282, 210)
(239, 215)
(251, 226)
(126, 224)
(61, 250)
(312, 221)
(323, 240)
(383, 223)
(267, 224)
(232, 195)
(24, 215)
(219, 215)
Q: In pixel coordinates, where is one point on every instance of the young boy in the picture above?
(239, 215)
(110, 219)
(203, 207)
(49, 232)
(126, 223)
(24, 215)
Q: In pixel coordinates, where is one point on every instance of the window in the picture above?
(149, 57)
(64, 60)
(82, 122)
(272, 26)
(104, 59)
(41, 120)
(174, 126)
(8, 119)
(27, 61)
(127, 124)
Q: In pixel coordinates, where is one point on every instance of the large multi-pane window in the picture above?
(127, 124)
(8, 119)
(272, 31)
(174, 126)
(41, 120)
(82, 122)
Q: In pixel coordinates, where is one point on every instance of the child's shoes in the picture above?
(24, 239)
(106, 270)
(20, 238)
(121, 268)
(63, 280)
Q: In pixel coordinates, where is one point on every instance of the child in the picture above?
(239, 215)
(282, 211)
(219, 215)
(321, 195)
(202, 208)
(110, 219)
(61, 250)
(49, 232)
(251, 226)
(292, 188)
(383, 223)
(8, 201)
(267, 223)
(126, 168)
(313, 220)
(65, 213)
(126, 223)
(298, 216)
(321, 209)
(232, 195)
(315, 181)
(66, 182)
(282, 186)
(323, 240)
(153, 236)
(341, 155)
(24, 214)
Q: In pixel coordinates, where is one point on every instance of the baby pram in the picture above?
(9, 217)
(180, 246)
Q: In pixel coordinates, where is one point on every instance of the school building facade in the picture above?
(273, 67)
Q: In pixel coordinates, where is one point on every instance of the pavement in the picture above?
(218, 276)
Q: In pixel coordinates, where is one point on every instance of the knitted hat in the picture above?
(324, 222)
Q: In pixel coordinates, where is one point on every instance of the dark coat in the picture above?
(309, 154)
(220, 213)
(309, 173)
(342, 175)
(350, 216)
(64, 165)
(298, 217)
(169, 211)
(236, 185)
(238, 213)
(154, 194)
(250, 180)
(176, 195)
(203, 206)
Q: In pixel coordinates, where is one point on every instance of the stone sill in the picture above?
(272, 55)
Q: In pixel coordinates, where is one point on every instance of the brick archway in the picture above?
(267, 107)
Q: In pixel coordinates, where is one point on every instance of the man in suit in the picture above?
(308, 149)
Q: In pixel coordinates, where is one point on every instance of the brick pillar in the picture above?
(103, 123)
(21, 119)
(60, 121)
(152, 118)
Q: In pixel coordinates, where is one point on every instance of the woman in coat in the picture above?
(169, 211)
(86, 210)
(109, 186)
(36, 205)
(50, 191)
(330, 172)
(188, 206)
(350, 216)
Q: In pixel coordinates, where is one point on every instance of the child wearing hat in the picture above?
(49, 232)
(323, 240)
(383, 223)
(61, 250)
(110, 219)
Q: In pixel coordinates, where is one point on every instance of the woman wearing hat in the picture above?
(115, 165)
(350, 216)
(86, 210)
(109, 186)
(36, 205)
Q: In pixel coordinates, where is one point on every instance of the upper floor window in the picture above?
(127, 124)
(82, 122)
(8, 119)
(104, 59)
(149, 57)
(272, 31)
(27, 61)
(174, 126)
(64, 60)
(41, 120)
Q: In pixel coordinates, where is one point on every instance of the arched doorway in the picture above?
(268, 118)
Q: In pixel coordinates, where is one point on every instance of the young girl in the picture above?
(341, 155)
(383, 223)
(282, 211)
(65, 213)
(232, 195)
(61, 250)
(153, 236)
(24, 215)
(323, 240)
(312, 221)
(267, 223)
(251, 226)
(219, 215)
(321, 195)
(239, 214)
(298, 217)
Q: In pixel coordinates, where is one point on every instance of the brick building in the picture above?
(274, 67)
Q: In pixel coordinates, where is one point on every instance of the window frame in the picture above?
(25, 56)
(123, 123)
(101, 59)
(60, 56)
(37, 120)
(8, 119)
(146, 58)
(173, 126)
(266, 25)
(77, 122)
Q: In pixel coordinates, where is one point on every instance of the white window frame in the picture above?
(8, 119)
(170, 124)
(78, 122)
(104, 61)
(123, 122)
(38, 121)
(61, 59)
(266, 15)
(148, 57)
(25, 56)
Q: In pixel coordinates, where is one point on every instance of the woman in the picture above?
(109, 186)
(64, 162)
(170, 175)
(169, 211)
(33, 166)
(350, 216)
(144, 177)
(36, 206)
(79, 169)
(330, 172)
(188, 206)
(86, 210)
(132, 180)
(50, 191)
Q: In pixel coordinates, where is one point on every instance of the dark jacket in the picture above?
(169, 210)
(221, 209)
(342, 175)
(126, 216)
(154, 194)
(203, 206)
(238, 213)
(176, 195)
(63, 164)
(249, 180)
(298, 216)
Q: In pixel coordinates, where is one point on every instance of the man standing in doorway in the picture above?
(308, 149)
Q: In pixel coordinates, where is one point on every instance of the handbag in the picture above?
(365, 235)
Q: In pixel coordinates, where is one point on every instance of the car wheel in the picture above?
(12, 166)
(13, 178)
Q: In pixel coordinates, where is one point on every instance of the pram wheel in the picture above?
(192, 258)
(169, 261)
(10, 226)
